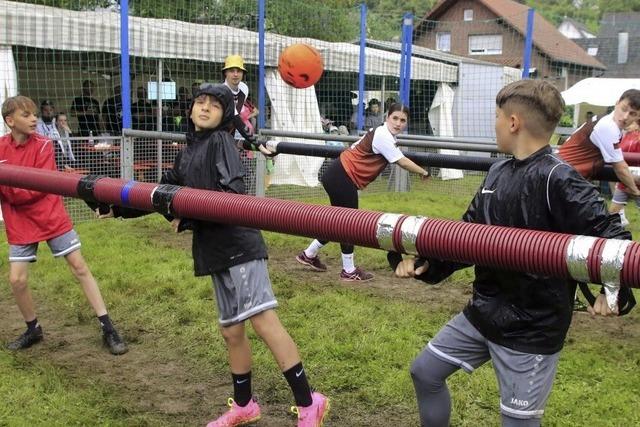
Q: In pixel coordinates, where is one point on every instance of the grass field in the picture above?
(357, 341)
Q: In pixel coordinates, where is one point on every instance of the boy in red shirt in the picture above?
(31, 217)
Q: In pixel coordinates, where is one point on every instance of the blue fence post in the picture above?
(405, 58)
(528, 44)
(362, 71)
(262, 102)
(125, 76)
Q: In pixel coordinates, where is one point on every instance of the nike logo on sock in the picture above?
(241, 381)
(485, 191)
(299, 373)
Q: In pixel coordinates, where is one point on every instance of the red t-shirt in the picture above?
(630, 144)
(31, 216)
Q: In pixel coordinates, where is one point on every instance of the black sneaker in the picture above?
(27, 339)
(114, 343)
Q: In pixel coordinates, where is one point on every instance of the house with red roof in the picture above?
(495, 31)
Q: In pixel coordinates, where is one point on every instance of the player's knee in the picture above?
(425, 373)
(419, 370)
(18, 282)
(232, 335)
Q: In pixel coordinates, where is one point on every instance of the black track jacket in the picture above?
(522, 311)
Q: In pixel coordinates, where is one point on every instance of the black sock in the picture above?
(105, 323)
(241, 388)
(297, 380)
(32, 324)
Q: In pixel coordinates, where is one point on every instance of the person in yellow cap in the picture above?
(234, 73)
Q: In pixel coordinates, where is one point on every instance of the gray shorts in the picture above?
(622, 197)
(243, 291)
(60, 246)
(525, 380)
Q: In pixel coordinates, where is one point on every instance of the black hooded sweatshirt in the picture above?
(211, 161)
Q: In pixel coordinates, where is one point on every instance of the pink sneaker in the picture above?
(357, 275)
(314, 262)
(312, 416)
(238, 415)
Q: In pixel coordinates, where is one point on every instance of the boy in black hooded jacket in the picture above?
(235, 257)
(517, 320)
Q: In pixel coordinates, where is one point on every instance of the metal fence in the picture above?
(98, 66)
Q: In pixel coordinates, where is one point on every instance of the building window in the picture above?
(486, 44)
(592, 50)
(468, 14)
(623, 47)
(443, 42)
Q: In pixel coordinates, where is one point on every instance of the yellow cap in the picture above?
(234, 61)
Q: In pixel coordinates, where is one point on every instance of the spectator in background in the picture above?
(65, 157)
(373, 117)
(142, 111)
(180, 110)
(390, 100)
(353, 122)
(194, 87)
(112, 113)
(46, 125)
(87, 109)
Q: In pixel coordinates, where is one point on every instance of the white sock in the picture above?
(623, 217)
(347, 263)
(313, 249)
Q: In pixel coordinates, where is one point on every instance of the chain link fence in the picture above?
(67, 55)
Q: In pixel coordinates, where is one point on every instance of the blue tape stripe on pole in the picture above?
(361, 71)
(262, 102)
(124, 192)
(125, 76)
(528, 44)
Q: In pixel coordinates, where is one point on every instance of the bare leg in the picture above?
(18, 278)
(238, 347)
(81, 271)
(268, 327)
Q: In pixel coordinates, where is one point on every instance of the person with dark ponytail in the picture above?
(356, 168)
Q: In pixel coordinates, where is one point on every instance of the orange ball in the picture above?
(300, 65)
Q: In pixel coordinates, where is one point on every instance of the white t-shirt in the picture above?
(385, 143)
(606, 136)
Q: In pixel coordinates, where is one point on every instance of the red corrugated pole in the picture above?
(588, 259)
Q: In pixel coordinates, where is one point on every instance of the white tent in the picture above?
(441, 119)
(90, 31)
(8, 76)
(8, 80)
(598, 91)
(294, 110)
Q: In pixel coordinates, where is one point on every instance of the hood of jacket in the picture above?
(223, 94)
